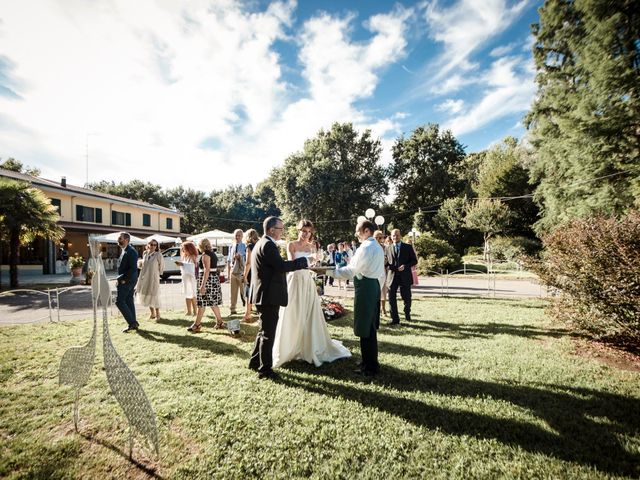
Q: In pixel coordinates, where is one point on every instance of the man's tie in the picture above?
(397, 252)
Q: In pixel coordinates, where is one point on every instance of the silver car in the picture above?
(171, 255)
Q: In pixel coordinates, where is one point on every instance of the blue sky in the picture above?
(213, 93)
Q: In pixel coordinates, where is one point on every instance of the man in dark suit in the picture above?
(269, 292)
(126, 281)
(401, 257)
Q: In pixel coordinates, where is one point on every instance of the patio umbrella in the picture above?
(216, 237)
(113, 238)
(162, 238)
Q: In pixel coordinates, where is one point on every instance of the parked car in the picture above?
(171, 255)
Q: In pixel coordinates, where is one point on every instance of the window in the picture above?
(120, 218)
(146, 220)
(88, 214)
(56, 202)
(169, 223)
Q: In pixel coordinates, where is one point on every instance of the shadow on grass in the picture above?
(189, 340)
(248, 335)
(474, 330)
(398, 349)
(140, 466)
(586, 426)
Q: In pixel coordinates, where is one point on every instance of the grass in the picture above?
(471, 388)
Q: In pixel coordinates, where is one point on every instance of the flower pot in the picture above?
(76, 275)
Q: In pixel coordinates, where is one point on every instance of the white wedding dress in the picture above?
(302, 332)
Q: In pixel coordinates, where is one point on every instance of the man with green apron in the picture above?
(367, 270)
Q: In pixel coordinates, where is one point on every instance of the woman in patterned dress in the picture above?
(209, 291)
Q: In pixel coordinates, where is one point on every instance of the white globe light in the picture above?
(361, 219)
(370, 213)
(379, 220)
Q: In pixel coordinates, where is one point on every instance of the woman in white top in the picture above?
(187, 263)
(302, 332)
(148, 286)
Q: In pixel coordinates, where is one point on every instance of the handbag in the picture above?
(414, 275)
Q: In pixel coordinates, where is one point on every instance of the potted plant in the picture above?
(76, 262)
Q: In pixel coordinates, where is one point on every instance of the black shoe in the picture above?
(253, 367)
(407, 318)
(130, 329)
(269, 375)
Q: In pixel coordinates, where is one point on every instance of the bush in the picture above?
(435, 254)
(595, 264)
(474, 251)
(513, 249)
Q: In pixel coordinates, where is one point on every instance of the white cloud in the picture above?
(510, 89)
(451, 106)
(502, 50)
(465, 26)
(160, 81)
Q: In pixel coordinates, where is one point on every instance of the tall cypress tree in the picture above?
(585, 121)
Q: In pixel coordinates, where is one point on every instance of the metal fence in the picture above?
(73, 302)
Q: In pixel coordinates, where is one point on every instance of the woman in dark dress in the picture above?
(250, 239)
(209, 291)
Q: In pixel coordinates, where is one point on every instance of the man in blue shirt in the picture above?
(235, 269)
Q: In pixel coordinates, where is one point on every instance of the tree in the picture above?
(337, 174)
(25, 213)
(585, 121)
(134, 190)
(427, 169)
(449, 224)
(17, 166)
(235, 207)
(489, 217)
(194, 205)
(503, 174)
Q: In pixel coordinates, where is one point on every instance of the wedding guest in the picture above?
(379, 236)
(209, 291)
(126, 282)
(331, 261)
(188, 263)
(250, 240)
(367, 271)
(402, 258)
(148, 286)
(341, 261)
(235, 269)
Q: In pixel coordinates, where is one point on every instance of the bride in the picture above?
(302, 332)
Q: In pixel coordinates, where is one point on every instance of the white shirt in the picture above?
(368, 261)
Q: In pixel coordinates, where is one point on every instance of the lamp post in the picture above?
(413, 234)
(379, 221)
(370, 213)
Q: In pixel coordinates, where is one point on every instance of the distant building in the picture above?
(84, 212)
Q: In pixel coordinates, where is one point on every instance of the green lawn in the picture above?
(470, 389)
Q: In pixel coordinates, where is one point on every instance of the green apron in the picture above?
(366, 306)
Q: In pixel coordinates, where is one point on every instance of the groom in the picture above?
(269, 292)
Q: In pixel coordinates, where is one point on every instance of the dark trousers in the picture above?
(405, 293)
(262, 356)
(369, 349)
(126, 305)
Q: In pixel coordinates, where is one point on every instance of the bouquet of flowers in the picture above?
(332, 309)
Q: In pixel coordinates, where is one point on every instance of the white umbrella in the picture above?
(216, 237)
(162, 238)
(113, 238)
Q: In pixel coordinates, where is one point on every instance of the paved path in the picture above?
(75, 303)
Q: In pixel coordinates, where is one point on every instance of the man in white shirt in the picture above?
(367, 270)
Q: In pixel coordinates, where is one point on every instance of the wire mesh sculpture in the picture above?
(75, 367)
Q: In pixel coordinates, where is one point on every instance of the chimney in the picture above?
(63, 182)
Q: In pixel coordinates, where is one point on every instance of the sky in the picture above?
(208, 94)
